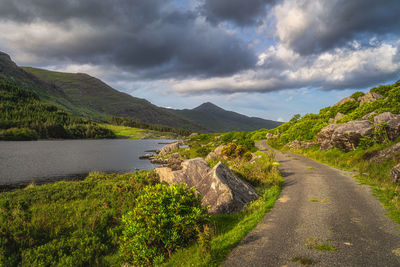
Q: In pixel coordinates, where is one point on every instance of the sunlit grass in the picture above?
(137, 133)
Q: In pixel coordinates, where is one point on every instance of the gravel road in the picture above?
(322, 217)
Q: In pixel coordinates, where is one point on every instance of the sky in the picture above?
(266, 58)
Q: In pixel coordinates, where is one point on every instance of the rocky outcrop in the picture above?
(385, 154)
(395, 173)
(170, 147)
(368, 97)
(301, 144)
(345, 136)
(220, 188)
(344, 100)
(369, 115)
(271, 136)
(212, 156)
(337, 117)
(392, 123)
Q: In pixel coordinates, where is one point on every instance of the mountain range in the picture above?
(83, 95)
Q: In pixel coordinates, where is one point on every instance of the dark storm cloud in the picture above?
(147, 36)
(330, 24)
(243, 13)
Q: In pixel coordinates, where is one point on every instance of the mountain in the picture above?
(83, 95)
(217, 119)
(95, 98)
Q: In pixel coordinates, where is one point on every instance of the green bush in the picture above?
(165, 218)
(356, 95)
(68, 223)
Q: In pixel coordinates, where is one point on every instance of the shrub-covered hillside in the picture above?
(23, 116)
(308, 126)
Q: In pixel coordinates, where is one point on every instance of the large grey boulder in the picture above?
(392, 121)
(345, 136)
(222, 190)
(387, 153)
(170, 147)
(368, 97)
(345, 100)
(395, 173)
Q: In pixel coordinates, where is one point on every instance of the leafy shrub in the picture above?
(365, 142)
(261, 171)
(68, 223)
(203, 151)
(356, 95)
(229, 150)
(165, 218)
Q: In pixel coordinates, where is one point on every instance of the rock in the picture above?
(369, 115)
(337, 117)
(218, 150)
(175, 161)
(170, 147)
(393, 123)
(301, 144)
(308, 144)
(159, 161)
(345, 136)
(147, 156)
(368, 97)
(385, 154)
(295, 144)
(344, 100)
(395, 173)
(193, 134)
(220, 188)
(212, 156)
(268, 136)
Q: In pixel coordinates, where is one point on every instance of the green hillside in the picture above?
(23, 116)
(94, 98)
(306, 128)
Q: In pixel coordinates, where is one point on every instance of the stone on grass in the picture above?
(344, 136)
(221, 189)
(392, 121)
(368, 97)
(170, 147)
(395, 173)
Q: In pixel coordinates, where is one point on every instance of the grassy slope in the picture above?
(95, 98)
(375, 174)
(137, 133)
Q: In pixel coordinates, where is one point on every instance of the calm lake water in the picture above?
(41, 161)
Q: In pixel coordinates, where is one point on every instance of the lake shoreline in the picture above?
(48, 161)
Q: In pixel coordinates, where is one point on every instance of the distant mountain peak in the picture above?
(207, 107)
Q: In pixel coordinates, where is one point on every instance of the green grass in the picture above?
(324, 247)
(229, 230)
(137, 133)
(303, 260)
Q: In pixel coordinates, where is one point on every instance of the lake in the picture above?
(41, 161)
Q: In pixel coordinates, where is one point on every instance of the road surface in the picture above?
(322, 217)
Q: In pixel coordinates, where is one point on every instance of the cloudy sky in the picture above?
(266, 58)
